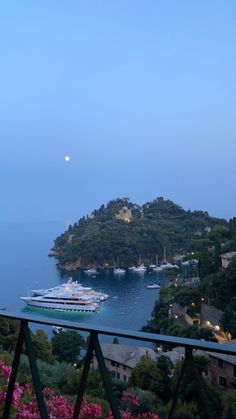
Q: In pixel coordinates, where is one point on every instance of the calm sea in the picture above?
(25, 264)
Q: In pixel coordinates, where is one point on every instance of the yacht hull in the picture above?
(61, 306)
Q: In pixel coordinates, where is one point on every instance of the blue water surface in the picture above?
(25, 264)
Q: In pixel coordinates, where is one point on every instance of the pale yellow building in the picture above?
(124, 214)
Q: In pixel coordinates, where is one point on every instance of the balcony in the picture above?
(24, 336)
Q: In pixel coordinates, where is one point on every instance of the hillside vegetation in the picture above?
(127, 231)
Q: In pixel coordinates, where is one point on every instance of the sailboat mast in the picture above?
(164, 254)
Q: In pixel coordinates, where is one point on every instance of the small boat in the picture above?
(153, 286)
(91, 271)
(57, 329)
(164, 266)
(153, 266)
(140, 269)
(119, 271)
(185, 262)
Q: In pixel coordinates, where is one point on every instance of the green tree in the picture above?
(152, 376)
(230, 405)
(9, 330)
(190, 387)
(42, 346)
(66, 346)
(186, 296)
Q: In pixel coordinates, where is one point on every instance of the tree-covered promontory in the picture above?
(125, 231)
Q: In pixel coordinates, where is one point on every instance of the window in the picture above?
(220, 363)
(125, 378)
(222, 381)
(113, 363)
(113, 373)
(234, 370)
(118, 375)
(117, 364)
(124, 367)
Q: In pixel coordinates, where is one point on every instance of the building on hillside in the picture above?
(193, 319)
(226, 258)
(125, 214)
(211, 316)
(222, 370)
(120, 360)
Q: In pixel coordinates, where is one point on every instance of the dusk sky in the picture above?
(140, 94)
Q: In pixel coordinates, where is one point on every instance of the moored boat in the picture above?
(119, 271)
(57, 329)
(140, 269)
(91, 271)
(154, 285)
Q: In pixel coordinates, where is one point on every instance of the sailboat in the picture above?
(118, 270)
(165, 264)
(152, 266)
(140, 268)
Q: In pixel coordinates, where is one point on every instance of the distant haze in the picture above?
(141, 96)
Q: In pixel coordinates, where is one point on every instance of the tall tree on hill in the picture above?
(66, 346)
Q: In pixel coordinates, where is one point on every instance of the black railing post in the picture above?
(106, 378)
(34, 370)
(95, 346)
(12, 379)
(84, 377)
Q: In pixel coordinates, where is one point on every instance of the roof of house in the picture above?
(126, 354)
(211, 314)
(231, 359)
(228, 255)
(130, 355)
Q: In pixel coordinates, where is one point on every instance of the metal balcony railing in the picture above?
(94, 345)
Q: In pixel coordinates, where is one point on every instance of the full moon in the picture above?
(67, 158)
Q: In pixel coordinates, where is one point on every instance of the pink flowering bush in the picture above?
(24, 404)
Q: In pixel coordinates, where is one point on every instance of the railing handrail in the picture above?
(173, 341)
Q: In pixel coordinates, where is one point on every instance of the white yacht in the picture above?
(71, 296)
(153, 286)
(119, 271)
